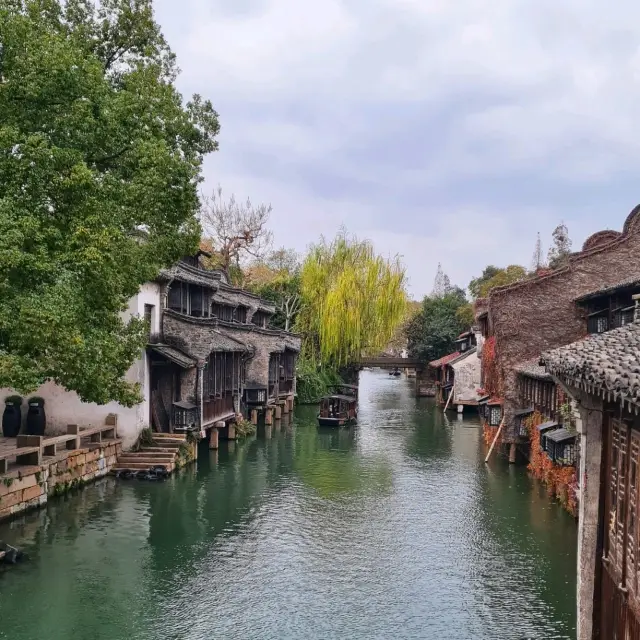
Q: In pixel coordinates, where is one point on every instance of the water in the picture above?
(392, 529)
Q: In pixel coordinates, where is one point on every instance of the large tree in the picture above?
(277, 279)
(100, 162)
(433, 331)
(352, 300)
(560, 250)
(236, 230)
(493, 277)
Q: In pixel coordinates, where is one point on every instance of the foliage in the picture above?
(399, 339)
(561, 247)
(99, 166)
(493, 277)
(313, 382)
(277, 279)
(466, 315)
(352, 301)
(537, 261)
(561, 481)
(244, 429)
(490, 373)
(236, 230)
(433, 331)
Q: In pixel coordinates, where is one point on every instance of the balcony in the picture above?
(216, 409)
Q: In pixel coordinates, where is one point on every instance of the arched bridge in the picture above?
(390, 362)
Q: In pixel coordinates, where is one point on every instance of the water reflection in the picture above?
(394, 528)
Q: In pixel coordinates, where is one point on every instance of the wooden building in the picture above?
(601, 374)
(520, 321)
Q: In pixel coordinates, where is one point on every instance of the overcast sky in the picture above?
(446, 131)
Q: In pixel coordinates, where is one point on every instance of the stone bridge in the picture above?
(390, 362)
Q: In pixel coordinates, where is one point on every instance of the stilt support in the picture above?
(254, 416)
(213, 438)
(512, 453)
(278, 410)
(268, 415)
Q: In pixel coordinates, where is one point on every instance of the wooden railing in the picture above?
(217, 408)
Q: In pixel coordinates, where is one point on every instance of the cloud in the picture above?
(446, 131)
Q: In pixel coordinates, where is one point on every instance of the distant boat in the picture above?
(340, 408)
(395, 372)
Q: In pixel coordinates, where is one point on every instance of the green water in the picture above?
(392, 529)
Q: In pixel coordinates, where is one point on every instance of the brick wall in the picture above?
(539, 314)
(27, 488)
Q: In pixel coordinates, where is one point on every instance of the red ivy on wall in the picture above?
(561, 482)
(491, 378)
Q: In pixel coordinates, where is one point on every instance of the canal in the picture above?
(392, 529)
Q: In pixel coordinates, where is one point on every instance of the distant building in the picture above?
(211, 355)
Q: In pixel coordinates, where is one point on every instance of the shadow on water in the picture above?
(393, 528)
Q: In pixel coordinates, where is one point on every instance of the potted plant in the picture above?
(12, 416)
(36, 418)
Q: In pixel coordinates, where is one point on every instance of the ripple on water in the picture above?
(392, 529)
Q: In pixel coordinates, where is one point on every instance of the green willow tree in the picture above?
(352, 301)
(100, 162)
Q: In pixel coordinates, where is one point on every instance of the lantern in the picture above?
(185, 415)
(562, 447)
(520, 422)
(543, 430)
(255, 394)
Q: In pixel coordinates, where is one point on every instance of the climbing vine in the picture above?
(490, 367)
(561, 482)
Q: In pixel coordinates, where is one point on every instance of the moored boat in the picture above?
(340, 408)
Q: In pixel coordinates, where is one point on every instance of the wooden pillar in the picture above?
(290, 401)
(213, 438)
(285, 408)
(278, 412)
(268, 415)
(231, 431)
(254, 416)
(512, 453)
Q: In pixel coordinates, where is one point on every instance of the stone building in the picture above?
(601, 375)
(211, 355)
(520, 321)
(457, 375)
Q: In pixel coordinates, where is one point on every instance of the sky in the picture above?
(443, 131)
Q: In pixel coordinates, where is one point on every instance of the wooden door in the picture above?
(619, 605)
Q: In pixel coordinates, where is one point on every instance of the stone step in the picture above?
(150, 453)
(165, 444)
(137, 466)
(169, 436)
(148, 459)
(169, 450)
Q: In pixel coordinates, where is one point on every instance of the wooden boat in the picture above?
(340, 408)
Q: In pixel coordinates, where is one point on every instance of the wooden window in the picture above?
(148, 316)
(241, 315)
(179, 297)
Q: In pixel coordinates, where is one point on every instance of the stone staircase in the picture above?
(163, 453)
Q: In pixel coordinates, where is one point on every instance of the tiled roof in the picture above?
(444, 360)
(222, 341)
(462, 356)
(175, 355)
(608, 362)
(532, 369)
(629, 283)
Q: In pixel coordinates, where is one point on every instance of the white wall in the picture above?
(64, 407)
(467, 378)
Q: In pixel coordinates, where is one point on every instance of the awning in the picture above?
(545, 426)
(523, 412)
(561, 435)
(174, 355)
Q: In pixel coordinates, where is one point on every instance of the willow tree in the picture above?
(353, 301)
